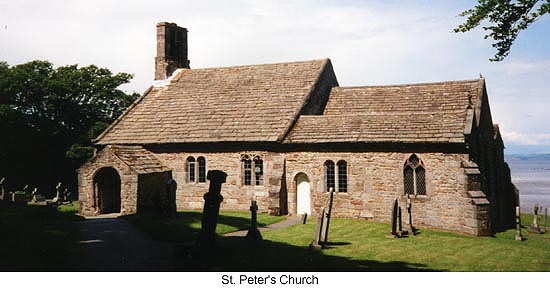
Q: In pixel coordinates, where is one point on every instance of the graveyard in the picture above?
(43, 235)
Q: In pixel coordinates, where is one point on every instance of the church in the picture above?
(287, 133)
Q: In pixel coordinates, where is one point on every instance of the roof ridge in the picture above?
(410, 84)
(261, 64)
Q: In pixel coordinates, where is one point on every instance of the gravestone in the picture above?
(393, 232)
(304, 218)
(328, 215)
(545, 216)
(534, 228)
(519, 237)
(211, 210)
(409, 212)
(2, 193)
(400, 231)
(170, 197)
(317, 240)
(253, 234)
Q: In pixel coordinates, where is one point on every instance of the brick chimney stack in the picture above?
(171, 50)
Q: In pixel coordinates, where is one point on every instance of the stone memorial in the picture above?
(253, 234)
(328, 215)
(317, 242)
(409, 213)
(304, 218)
(534, 228)
(393, 232)
(519, 237)
(211, 210)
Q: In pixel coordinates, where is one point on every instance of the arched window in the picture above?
(329, 174)
(191, 169)
(258, 170)
(414, 176)
(202, 169)
(342, 176)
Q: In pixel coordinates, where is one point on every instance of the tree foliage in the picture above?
(507, 19)
(48, 117)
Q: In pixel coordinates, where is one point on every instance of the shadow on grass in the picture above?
(237, 254)
(186, 225)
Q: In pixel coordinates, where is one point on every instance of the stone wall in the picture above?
(128, 180)
(236, 195)
(374, 180)
(149, 188)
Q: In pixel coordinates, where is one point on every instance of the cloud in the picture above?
(531, 139)
(520, 67)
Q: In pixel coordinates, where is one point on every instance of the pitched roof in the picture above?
(242, 103)
(429, 112)
(139, 159)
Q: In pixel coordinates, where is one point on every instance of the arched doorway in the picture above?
(107, 190)
(303, 194)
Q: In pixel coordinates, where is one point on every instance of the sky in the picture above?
(369, 43)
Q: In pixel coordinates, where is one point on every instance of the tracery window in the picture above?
(414, 176)
(253, 170)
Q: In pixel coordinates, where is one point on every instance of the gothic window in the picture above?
(202, 169)
(259, 170)
(253, 170)
(414, 176)
(190, 169)
(342, 176)
(329, 174)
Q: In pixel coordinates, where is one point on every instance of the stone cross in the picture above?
(393, 232)
(535, 226)
(253, 232)
(519, 237)
(328, 215)
(317, 241)
(212, 200)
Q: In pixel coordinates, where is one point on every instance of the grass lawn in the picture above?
(37, 238)
(359, 245)
(186, 225)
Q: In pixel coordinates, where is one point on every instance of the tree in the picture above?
(508, 18)
(48, 117)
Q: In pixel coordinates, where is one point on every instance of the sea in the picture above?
(531, 175)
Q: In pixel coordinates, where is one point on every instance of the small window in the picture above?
(414, 176)
(258, 171)
(202, 169)
(190, 169)
(247, 164)
(342, 176)
(329, 174)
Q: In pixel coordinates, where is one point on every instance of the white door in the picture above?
(303, 195)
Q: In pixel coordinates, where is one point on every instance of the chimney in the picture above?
(171, 50)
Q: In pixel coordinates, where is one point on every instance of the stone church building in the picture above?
(287, 133)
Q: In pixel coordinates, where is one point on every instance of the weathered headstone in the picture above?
(400, 231)
(545, 216)
(212, 200)
(409, 212)
(2, 193)
(393, 232)
(328, 215)
(304, 218)
(317, 241)
(534, 228)
(519, 237)
(253, 232)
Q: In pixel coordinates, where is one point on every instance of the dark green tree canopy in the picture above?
(48, 117)
(506, 19)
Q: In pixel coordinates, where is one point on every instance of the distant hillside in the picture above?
(527, 157)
